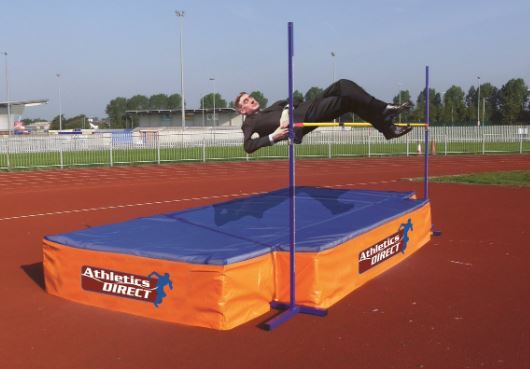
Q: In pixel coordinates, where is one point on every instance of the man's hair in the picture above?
(236, 101)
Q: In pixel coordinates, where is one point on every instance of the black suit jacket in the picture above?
(264, 122)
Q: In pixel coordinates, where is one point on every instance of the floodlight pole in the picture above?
(333, 67)
(213, 79)
(202, 108)
(399, 88)
(7, 96)
(180, 14)
(478, 103)
(484, 110)
(60, 103)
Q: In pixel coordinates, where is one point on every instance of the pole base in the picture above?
(289, 311)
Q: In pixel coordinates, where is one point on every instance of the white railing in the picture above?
(153, 146)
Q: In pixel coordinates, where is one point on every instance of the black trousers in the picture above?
(343, 96)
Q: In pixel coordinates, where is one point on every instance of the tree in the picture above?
(174, 101)
(488, 105)
(159, 101)
(207, 101)
(138, 102)
(435, 107)
(512, 99)
(54, 125)
(76, 122)
(260, 98)
(471, 104)
(116, 111)
(312, 93)
(298, 98)
(454, 108)
(27, 121)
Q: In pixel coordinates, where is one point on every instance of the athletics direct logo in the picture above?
(121, 284)
(385, 249)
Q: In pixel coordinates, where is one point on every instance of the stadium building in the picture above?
(11, 111)
(195, 118)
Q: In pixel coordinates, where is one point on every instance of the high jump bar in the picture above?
(352, 124)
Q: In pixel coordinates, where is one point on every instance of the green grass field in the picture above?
(512, 178)
(117, 156)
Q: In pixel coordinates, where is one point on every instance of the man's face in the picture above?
(248, 105)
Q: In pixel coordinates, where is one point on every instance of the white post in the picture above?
(521, 143)
(61, 151)
(7, 154)
(111, 161)
(158, 147)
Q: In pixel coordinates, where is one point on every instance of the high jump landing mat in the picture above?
(221, 265)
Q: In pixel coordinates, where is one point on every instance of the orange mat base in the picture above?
(219, 297)
(225, 296)
(324, 278)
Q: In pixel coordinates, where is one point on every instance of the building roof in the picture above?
(24, 102)
(187, 111)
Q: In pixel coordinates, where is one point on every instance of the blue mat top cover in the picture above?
(242, 229)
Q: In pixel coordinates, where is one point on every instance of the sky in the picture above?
(105, 49)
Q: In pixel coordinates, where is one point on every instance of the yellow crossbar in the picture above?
(352, 124)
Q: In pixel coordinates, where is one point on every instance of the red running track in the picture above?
(461, 302)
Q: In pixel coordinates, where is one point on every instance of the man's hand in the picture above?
(280, 133)
(284, 119)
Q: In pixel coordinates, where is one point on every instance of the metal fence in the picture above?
(152, 146)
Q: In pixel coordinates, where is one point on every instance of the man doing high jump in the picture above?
(343, 96)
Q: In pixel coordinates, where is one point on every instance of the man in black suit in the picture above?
(341, 97)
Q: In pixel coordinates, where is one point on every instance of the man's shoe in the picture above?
(393, 131)
(392, 110)
(298, 136)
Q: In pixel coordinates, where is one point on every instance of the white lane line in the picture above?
(64, 212)
(361, 184)
(460, 263)
(73, 211)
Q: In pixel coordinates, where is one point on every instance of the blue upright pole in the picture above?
(427, 116)
(292, 161)
(426, 166)
(291, 309)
